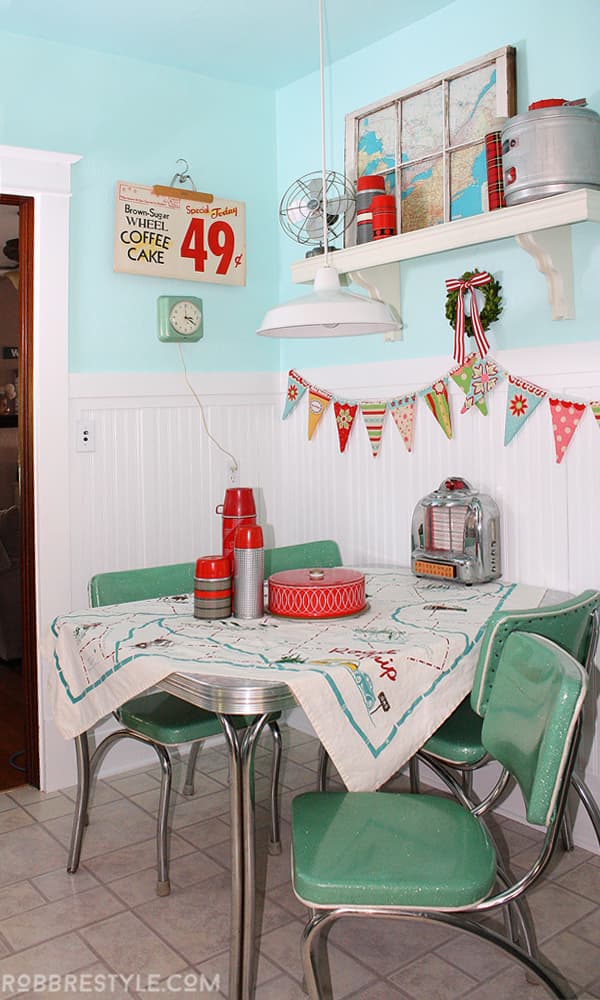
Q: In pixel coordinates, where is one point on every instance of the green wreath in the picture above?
(492, 308)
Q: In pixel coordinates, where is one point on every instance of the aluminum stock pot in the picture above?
(552, 148)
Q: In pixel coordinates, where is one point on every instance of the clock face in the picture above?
(185, 317)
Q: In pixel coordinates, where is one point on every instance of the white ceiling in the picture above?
(265, 42)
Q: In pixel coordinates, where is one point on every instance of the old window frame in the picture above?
(504, 60)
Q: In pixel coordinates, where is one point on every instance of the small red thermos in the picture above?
(237, 509)
(383, 210)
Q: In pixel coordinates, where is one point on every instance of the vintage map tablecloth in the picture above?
(374, 687)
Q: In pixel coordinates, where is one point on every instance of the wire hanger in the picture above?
(182, 177)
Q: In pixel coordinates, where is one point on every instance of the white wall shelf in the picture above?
(542, 228)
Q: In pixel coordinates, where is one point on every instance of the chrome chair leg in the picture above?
(163, 886)
(323, 768)
(566, 832)
(82, 751)
(588, 801)
(188, 787)
(274, 846)
(413, 771)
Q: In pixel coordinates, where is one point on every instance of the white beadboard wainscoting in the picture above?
(147, 493)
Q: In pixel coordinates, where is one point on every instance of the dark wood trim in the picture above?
(26, 463)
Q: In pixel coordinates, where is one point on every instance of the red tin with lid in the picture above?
(317, 593)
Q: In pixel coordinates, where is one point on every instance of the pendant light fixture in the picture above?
(330, 310)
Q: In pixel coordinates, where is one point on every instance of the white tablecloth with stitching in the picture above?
(374, 687)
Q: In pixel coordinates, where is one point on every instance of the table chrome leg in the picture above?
(236, 950)
(274, 846)
(249, 739)
(82, 751)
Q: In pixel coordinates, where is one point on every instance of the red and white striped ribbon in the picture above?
(455, 284)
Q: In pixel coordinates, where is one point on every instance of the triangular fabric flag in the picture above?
(318, 401)
(565, 420)
(521, 400)
(436, 397)
(344, 418)
(296, 388)
(403, 412)
(463, 376)
(595, 408)
(485, 378)
(374, 416)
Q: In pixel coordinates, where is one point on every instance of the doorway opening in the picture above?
(19, 750)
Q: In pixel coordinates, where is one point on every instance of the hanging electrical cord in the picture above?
(235, 465)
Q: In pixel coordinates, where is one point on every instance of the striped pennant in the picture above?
(374, 416)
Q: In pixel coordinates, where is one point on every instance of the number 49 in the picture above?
(221, 243)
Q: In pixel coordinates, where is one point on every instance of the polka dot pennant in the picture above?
(403, 412)
(565, 420)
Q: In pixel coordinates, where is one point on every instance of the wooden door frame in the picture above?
(26, 464)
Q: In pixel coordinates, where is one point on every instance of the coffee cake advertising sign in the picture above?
(165, 236)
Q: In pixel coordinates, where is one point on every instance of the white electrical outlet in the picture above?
(234, 476)
(85, 436)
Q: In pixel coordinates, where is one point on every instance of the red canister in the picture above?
(237, 509)
(212, 587)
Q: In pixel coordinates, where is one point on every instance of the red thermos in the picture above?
(237, 509)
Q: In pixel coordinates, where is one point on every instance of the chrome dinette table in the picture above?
(228, 696)
(374, 686)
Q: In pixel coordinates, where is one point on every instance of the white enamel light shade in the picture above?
(329, 311)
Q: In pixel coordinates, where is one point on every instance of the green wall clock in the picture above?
(180, 318)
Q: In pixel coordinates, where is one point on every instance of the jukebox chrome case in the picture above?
(456, 534)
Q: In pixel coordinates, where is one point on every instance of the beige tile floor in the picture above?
(86, 933)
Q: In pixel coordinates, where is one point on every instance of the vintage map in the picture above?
(411, 131)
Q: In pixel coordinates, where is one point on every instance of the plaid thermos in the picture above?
(493, 162)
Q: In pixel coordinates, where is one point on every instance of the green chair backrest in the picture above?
(122, 586)
(570, 624)
(126, 585)
(531, 717)
(320, 554)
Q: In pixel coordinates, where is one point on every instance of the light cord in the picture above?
(235, 465)
(323, 149)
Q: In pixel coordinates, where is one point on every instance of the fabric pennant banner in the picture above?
(485, 378)
(463, 376)
(318, 401)
(374, 416)
(565, 420)
(436, 397)
(296, 388)
(595, 408)
(344, 418)
(521, 400)
(403, 412)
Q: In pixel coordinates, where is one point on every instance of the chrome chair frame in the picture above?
(323, 917)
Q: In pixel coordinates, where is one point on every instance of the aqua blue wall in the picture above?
(131, 121)
(556, 57)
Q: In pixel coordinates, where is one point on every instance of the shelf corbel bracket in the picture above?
(553, 257)
(383, 282)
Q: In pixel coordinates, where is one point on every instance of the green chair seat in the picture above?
(347, 851)
(168, 720)
(458, 740)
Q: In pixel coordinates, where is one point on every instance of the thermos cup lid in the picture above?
(249, 536)
(212, 567)
(371, 182)
(239, 502)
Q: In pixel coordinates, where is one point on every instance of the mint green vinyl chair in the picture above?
(161, 720)
(428, 857)
(457, 745)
